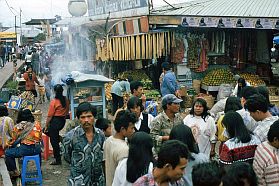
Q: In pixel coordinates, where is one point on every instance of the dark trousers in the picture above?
(56, 124)
(117, 102)
(17, 152)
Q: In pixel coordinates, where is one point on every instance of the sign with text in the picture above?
(117, 8)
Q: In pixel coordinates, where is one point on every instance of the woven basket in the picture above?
(197, 85)
(38, 115)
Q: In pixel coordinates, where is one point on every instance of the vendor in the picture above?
(241, 83)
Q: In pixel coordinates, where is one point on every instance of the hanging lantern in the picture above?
(77, 8)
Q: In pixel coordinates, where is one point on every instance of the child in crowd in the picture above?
(105, 125)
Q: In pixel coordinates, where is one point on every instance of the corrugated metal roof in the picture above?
(230, 8)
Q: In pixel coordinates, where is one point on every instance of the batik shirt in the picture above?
(85, 159)
(6, 128)
(161, 126)
(148, 180)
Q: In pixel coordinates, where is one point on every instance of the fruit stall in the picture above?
(88, 87)
(216, 77)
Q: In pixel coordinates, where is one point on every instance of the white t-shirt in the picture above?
(114, 151)
(121, 172)
(203, 131)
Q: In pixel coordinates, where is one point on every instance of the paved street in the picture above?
(7, 72)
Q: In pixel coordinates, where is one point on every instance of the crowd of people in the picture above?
(233, 144)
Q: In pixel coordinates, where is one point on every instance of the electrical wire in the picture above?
(10, 8)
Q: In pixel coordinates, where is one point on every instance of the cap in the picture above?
(170, 98)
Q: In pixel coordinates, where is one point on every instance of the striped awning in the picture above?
(131, 26)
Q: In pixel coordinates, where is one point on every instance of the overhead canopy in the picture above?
(219, 13)
(81, 77)
(40, 21)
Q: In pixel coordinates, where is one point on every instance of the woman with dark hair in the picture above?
(144, 119)
(241, 83)
(6, 127)
(273, 109)
(232, 104)
(56, 118)
(184, 134)
(138, 163)
(203, 127)
(241, 145)
(27, 133)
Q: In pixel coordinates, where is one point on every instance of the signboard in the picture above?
(14, 103)
(100, 9)
(7, 35)
(226, 22)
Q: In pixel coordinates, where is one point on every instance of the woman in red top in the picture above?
(30, 79)
(58, 109)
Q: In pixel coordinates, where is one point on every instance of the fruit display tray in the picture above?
(210, 88)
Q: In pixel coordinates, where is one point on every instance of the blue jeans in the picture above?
(17, 152)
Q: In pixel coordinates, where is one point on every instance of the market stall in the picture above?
(88, 87)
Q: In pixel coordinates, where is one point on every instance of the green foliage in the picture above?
(40, 37)
(24, 40)
(11, 84)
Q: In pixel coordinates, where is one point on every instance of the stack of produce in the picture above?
(217, 77)
(136, 75)
(108, 90)
(147, 84)
(152, 94)
(253, 79)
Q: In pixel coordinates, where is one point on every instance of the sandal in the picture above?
(54, 162)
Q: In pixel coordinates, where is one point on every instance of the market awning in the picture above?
(219, 13)
(134, 47)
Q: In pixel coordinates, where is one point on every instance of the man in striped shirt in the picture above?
(266, 160)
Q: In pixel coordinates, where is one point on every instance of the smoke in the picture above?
(78, 55)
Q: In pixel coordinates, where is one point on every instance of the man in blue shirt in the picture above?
(169, 83)
(118, 89)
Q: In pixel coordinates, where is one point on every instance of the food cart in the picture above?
(88, 87)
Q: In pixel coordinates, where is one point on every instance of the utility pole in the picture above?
(15, 30)
(20, 26)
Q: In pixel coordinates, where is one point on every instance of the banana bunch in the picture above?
(108, 90)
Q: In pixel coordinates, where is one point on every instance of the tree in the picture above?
(40, 37)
